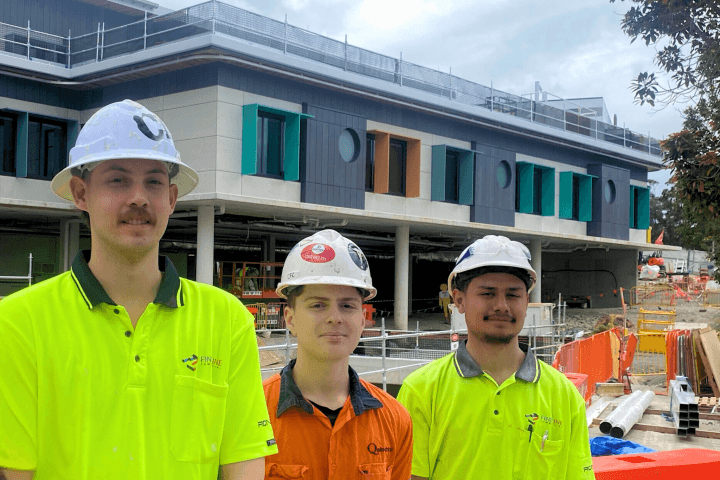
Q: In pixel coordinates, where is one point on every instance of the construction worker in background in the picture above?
(444, 299)
(119, 368)
(491, 410)
(330, 424)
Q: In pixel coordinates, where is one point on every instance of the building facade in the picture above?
(292, 132)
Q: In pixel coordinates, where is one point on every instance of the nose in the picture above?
(334, 315)
(138, 196)
(501, 304)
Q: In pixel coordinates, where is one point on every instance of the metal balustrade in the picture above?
(214, 17)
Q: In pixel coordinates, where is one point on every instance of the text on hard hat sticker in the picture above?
(317, 253)
(357, 256)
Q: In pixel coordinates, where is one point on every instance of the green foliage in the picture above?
(691, 56)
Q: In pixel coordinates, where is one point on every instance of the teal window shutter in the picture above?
(524, 190)
(632, 206)
(292, 148)
(21, 145)
(466, 178)
(249, 140)
(437, 183)
(73, 129)
(585, 198)
(548, 192)
(566, 194)
(643, 213)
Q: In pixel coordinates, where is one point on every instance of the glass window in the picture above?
(503, 174)
(537, 190)
(47, 148)
(7, 145)
(370, 162)
(452, 159)
(636, 205)
(398, 156)
(271, 143)
(575, 197)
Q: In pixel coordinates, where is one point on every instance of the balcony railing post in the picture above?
(532, 107)
(648, 142)
(213, 16)
(400, 70)
(624, 143)
(345, 66)
(451, 91)
(97, 45)
(145, 32)
(28, 41)
(492, 97)
(102, 42)
(285, 46)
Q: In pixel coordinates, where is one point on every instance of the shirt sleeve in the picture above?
(419, 413)
(18, 393)
(247, 433)
(579, 465)
(403, 459)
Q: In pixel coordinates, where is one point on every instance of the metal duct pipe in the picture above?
(609, 422)
(631, 415)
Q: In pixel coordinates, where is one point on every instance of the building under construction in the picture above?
(292, 132)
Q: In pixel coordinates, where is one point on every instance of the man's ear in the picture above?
(78, 188)
(459, 300)
(290, 319)
(173, 196)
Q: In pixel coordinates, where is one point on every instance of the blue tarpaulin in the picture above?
(600, 446)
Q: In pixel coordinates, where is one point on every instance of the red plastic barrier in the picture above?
(671, 465)
(671, 349)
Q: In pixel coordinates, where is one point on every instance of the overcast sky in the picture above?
(574, 48)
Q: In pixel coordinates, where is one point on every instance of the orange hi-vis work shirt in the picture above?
(371, 438)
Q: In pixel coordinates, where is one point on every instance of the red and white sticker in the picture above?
(455, 337)
(317, 253)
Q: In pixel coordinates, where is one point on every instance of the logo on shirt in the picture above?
(534, 417)
(375, 450)
(192, 362)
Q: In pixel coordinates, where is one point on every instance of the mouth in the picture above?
(500, 319)
(333, 335)
(136, 222)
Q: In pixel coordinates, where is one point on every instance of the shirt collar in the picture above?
(467, 367)
(169, 293)
(291, 396)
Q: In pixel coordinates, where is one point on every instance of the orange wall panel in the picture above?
(412, 171)
(382, 162)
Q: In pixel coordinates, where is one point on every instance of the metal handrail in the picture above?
(295, 41)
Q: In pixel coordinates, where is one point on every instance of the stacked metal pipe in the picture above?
(627, 414)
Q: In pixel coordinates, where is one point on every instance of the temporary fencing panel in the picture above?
(711, 298)
(600, 357)
(658, 295)
(680, 357)
(652, 327)
(275, 317)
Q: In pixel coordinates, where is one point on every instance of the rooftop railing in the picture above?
(222, 19)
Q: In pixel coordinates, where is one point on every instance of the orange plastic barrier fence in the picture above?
(600, 357)
(673, 464)
(671, 347)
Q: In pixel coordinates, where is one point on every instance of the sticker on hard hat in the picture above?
(317, 253)
(145, 128)
(469, 252)
(357, 256)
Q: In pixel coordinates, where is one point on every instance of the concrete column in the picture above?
(205, 244)
(536, 263)
(402, 275)
(70, 231)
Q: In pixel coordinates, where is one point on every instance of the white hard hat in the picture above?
(494, 251)
(124, 130)
(326, 258)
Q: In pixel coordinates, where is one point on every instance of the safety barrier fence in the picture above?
(679, 357)
(412, 348)
(601, 357)
(215, 17)
(711, 298)
(653, 294)
(669, 465)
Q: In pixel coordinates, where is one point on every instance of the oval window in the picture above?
(503, 174)
(349, 144)
(610, 191)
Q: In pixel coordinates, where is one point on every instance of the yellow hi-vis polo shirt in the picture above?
(532, 426)
(84, 395)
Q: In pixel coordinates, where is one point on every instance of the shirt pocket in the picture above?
(275, 470)
(198, 418)
(537, 459)
(375, 471)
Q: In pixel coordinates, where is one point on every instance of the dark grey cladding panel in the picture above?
(610, 220)
(493, 204)
(337, 182)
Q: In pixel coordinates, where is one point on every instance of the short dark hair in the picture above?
(462, 280)
(293, 293)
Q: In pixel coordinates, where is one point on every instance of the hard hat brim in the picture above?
(186, 178)
(327, 280)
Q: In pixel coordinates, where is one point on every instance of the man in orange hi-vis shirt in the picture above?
(328, 423)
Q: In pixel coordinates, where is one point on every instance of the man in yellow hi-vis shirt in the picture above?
(119, 368)
(491, 410)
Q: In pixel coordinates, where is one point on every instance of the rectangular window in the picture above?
(7, 144)
(537, 191)
(270, 143)
(534, 189)
(47, 148)
(639, 207)
(396, 164)
(576, 197)
(452, 161)
(370, 162)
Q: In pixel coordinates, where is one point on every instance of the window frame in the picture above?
(263, 121)
(369, 162)
(43, 158)
(639, 207)
(12, 120)
(403, 166)
(530, 199)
